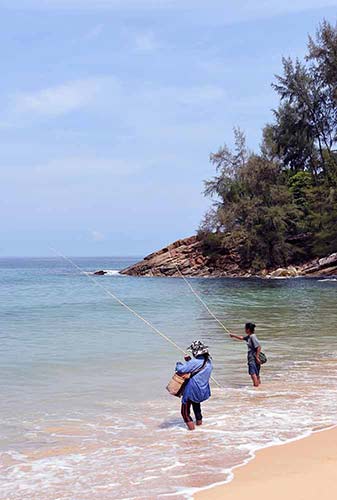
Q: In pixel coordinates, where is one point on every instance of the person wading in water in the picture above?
(196, 389)
(254, 349)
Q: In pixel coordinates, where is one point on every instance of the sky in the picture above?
(109, 110)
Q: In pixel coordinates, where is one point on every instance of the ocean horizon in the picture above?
(85, 413)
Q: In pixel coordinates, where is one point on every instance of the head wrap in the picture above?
(198, 348)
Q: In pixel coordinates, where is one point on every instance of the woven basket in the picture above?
(176, 385)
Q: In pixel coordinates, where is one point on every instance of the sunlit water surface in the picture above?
(84, 413)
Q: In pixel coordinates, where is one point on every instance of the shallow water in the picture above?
(84, 412)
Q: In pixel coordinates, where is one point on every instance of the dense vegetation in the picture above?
(279, 205)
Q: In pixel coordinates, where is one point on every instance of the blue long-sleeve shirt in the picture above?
(197, 388)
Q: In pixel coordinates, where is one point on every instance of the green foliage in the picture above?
(264, 202)
(300, 185)
(254, 208)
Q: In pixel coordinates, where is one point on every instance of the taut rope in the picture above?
(117, 299)
(198, 296)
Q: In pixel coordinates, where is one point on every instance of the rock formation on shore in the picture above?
(190, 258)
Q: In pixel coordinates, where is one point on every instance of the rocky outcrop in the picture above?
(188, 256)
(326, 266)
(284, 272)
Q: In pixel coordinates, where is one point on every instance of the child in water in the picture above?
(254, 349)
(197, 387)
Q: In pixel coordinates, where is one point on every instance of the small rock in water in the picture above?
(100, 273)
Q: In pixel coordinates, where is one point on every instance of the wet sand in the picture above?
(301, 470)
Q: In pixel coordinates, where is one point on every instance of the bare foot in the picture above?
(190, 426)
(199, 422)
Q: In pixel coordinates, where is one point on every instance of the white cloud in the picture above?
(95, 32)
(69, 172)
(60, 99)
(146, 42)
(127, 106)
(97, 235)
(157, 105)
(200, 95)
(81, 169)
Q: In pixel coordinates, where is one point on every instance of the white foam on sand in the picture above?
(127, 450)
(149, 443)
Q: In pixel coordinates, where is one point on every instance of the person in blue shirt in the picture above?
(197, 387)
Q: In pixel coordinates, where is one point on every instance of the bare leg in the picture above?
(197, 413)
(255, 380)
(186, 414)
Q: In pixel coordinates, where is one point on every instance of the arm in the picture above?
(237, 337)
(258, 350)
(257, 347)
(183, 368)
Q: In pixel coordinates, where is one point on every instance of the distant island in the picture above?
(274, 212)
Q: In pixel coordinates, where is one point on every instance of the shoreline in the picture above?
(187, 257)
(116, 272)
(282, 469)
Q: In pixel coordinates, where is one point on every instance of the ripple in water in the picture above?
(84, 412)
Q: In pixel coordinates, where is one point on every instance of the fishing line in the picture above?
(117, 299)
(198, 296)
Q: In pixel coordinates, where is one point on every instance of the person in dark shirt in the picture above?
(254, 349)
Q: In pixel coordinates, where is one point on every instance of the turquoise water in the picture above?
(84, 411)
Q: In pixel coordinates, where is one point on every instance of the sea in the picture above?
(84, 413)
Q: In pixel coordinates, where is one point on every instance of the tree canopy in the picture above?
(279, 205)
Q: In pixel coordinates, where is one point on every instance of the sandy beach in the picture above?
(304, 469)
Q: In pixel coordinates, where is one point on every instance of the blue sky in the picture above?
(110, 108)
